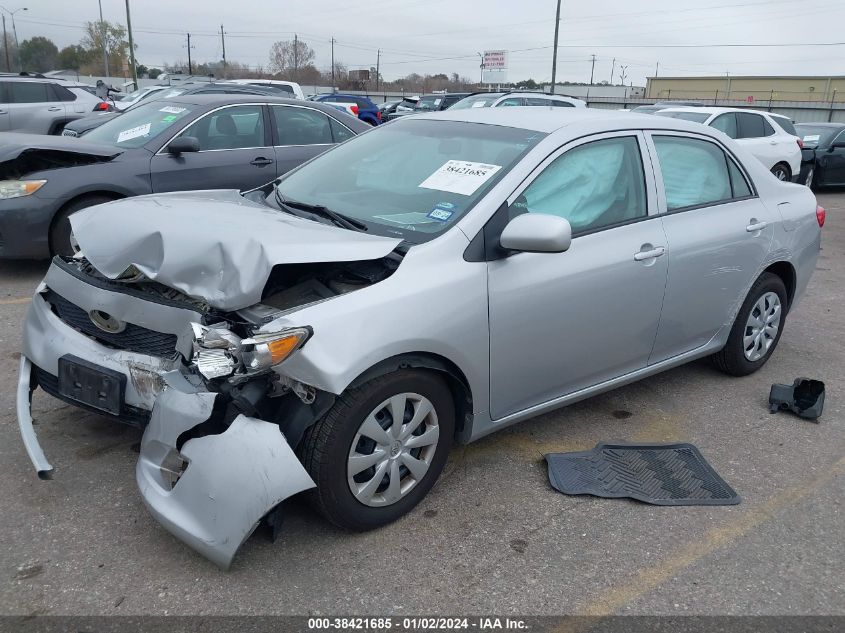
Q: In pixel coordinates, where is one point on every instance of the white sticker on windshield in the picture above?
(460, 176)
(135, 132)
(437, 102)
(812, 138)
(172, 110)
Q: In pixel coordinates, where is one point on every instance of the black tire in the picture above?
(731, 359)
(326, 446)
(60, 227)
(782, 172)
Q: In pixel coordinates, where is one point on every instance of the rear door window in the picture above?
(340, 132)
(235, 127)
(750, 125)
(562, 104)
(695, 172)
(301, 126)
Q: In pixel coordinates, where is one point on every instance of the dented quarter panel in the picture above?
(212, 244)
(231, 480)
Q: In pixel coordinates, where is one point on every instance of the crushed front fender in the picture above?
(226, 483)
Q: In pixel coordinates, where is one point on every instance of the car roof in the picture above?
(822, 124)
(550, 119)
(712, 110)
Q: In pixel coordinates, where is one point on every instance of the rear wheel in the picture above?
(757, 329)
(60, 228)
(380, 448)
(808, 179)
(782, 172)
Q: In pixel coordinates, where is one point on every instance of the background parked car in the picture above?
(502, 99)
(38, 105)
(823, 156)
(761, 133)
(356, 105)
(88, 123)
(289, 89)
(186, 142)
(389, 107)
(433, 103)
(661, 105)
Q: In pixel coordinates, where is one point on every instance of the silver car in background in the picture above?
(427, 282)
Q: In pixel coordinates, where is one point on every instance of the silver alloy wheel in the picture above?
(393, 449)
(779, 172)
(808, 181)
(761, 329)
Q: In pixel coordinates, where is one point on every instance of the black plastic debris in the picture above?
(660, 474)
(804, 397)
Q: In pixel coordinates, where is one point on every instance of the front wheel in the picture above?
(380, 448)
(757, 329)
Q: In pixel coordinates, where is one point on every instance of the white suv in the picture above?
(762, 133)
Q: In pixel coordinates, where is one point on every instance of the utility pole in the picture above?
(190, 66)
(481, 76)
(295, 57)
(333, 84)
(223, 41)
(131, 47)
(593, 70)
(378, 65)
(6, 44)
(657, 69)
(103, 38)
(554, 54)
(612, 71)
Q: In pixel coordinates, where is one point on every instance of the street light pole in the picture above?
(554, 54)
(15, 32)
(131, 47)
(481, 76)
(103, 41)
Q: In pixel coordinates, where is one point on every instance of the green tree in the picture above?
(73, 57)
(528, 84)
(38, 54)
(117, 45)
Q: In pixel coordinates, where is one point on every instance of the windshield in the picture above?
(816, 135)
(140, 124)
(477, 101)
(412, 178)
(697, 117)
(431, 102)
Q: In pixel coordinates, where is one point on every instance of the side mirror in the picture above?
(537, 233)
(183, 144)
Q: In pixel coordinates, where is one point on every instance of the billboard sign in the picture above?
(495, 67)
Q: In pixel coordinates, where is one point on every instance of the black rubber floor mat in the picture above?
(661, 474)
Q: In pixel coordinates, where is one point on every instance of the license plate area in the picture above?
(91, 385)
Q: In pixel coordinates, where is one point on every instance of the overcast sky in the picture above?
(429, 36)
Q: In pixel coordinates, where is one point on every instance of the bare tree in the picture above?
(287, 57)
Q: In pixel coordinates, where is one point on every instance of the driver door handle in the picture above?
(261, 161)
(652, 254)
(756, 226)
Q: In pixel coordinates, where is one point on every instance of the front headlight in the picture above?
(266, 350)
(219, 352)
(19, 188)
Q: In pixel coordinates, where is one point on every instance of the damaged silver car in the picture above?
(427, 282)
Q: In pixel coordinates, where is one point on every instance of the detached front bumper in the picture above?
(209, 490)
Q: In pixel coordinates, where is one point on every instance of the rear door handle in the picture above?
(54, 109)
(261, 161)
(756, 226)
(653, 253)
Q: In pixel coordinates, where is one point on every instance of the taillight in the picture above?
(354, 110)
(800, 143)
(378, 115)
(821, 214)
(102, 106)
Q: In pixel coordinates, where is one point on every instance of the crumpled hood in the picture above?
(13, 144)
(215, 245)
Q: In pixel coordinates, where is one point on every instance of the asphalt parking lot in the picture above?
(492, 537)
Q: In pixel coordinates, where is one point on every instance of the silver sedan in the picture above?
(425, 283)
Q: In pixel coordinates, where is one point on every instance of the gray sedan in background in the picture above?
(197, 142)
(431, 281)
